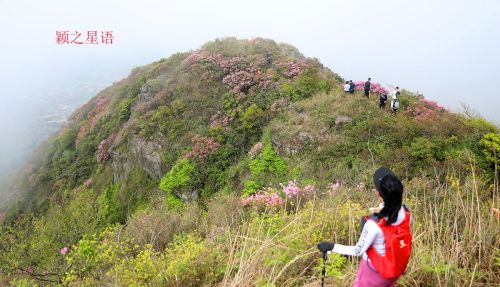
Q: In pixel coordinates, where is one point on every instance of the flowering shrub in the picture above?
(202, 147)
(103, 149)
(271, 198)
(279, 105)
(293, 190)
(374, 87)
(238, 75)
(424, 109)
(266, 82)
(101, 103)
(268, 198)
(64, 250)
(334, 187)
(292, 69)
(239, 81)
(219, 120)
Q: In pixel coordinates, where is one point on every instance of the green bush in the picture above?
(250, 188)
(304, 86)
(124, 109)
(491, 144)
(268, 161)
(110, 205)
(181, 178)
(252, 117)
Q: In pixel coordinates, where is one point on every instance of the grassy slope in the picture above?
(439, 156)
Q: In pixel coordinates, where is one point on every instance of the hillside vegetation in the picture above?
(224, 166)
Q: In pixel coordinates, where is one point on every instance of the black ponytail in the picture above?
(391, 190)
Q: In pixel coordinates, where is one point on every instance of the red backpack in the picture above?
(398, 243)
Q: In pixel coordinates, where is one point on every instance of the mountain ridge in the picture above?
(189, 138)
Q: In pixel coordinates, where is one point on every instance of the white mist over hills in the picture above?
(446, 50)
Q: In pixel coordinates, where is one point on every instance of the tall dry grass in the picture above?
(455, 231)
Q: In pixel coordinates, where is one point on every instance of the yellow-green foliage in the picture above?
(139, 271)
(491, 143)
(23, 283)
(268, 161)
(190, 259)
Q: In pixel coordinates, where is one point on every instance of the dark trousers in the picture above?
(367, 93)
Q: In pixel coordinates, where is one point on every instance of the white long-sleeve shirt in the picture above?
(370, 235)
(347, 87)
(394, 94)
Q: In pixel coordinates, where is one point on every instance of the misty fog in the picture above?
(447, 50)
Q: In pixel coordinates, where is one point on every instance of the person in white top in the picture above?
(347, 87)
(395, 93)
(372, 242)
(395, 99)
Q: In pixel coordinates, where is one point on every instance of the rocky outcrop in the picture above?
(140, 153)
(341, 120)
(146, 94)
(187, 195)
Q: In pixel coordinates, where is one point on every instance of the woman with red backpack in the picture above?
(385, 243)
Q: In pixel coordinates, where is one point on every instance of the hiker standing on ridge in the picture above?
(385, 243)
(395, 100)
(352, 87)
(347, 87)
(367, 87)
(383, 100)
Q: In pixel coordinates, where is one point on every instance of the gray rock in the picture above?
(341, 120)
(145, 95)
(141, 153)
(187, 196)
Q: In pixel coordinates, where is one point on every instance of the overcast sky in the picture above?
(447, 49)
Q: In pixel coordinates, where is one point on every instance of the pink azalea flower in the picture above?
(309, 188)
(64, 250)
(291, 190)
(334, 186)
(262, 199)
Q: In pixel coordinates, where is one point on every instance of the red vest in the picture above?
(398, 243)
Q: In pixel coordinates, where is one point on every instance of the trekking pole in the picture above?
(324, 247)
(323, 272)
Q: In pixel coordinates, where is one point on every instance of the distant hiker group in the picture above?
(350, 87)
